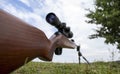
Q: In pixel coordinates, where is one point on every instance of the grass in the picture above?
(69, 68)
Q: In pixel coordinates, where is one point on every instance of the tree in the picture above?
(107, 15)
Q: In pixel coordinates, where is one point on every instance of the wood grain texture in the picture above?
(21, 42)
(18, 41)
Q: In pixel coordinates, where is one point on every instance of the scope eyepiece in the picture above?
(52, 19)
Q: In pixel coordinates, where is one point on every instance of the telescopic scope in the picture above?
(52, 19)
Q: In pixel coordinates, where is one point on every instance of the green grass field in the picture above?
(69, 68)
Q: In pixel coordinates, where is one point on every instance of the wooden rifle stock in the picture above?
(20, 43)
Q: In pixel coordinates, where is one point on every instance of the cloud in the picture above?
(26, 2)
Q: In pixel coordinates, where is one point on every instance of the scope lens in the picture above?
(50, 18)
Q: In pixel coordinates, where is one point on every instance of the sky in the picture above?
(73, 13)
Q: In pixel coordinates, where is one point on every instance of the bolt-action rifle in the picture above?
(52, 19)
(21, 42)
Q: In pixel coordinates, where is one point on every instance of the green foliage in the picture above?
(107, 15)
(69, 68)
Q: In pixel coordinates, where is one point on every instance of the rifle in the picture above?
(21, 43)
(52, 19)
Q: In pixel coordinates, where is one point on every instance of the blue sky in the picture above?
(73, 13)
